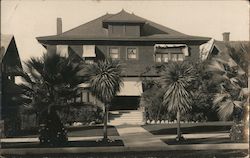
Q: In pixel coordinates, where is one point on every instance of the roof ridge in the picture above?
(123, 12)
(95, 29)
(151, 22)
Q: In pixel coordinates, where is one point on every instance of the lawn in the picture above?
(90, 131)
(149, 154)
(79, 131)
(189, 128)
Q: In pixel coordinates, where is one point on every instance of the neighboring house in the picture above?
(10, 63)
(137, 42)
(235, 53)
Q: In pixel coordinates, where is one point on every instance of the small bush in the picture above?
(237, 133)
(52, 131)
(81, 113)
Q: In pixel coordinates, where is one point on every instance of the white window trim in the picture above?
(137, 53)
(119, 52)
(169, 57)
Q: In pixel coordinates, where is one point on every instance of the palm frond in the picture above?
(220, 97)
(216, 67)
(225, 109)
(105, 79)
(176, 78)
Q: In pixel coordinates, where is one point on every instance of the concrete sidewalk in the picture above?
(117, 149)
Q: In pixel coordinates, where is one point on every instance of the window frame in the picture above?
(114, 47)
(137, 53)
(170, 57)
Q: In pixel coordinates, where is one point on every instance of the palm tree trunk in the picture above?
(178, 125)
(158, 114)
(105, 131)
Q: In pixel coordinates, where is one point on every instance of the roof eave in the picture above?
(43, 39)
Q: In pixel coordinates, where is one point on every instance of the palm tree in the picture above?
(105, 82)
(176, 78)
(50, 81)
(231, 97)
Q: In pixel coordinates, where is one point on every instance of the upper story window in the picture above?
(122, 30)
(114, 53)
(132, 30)
(116, 30)
(166, 57)
(88, 51)
(170, 52)
(132, 53)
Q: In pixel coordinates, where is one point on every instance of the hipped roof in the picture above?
(94, 30)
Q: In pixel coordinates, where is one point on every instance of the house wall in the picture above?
(145, 50)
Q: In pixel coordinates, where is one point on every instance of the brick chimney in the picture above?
(226, 36)
(59, 26)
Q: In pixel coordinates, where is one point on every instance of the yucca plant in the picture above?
(176, 78)
(105, 82)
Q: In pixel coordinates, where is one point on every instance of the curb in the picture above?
(71, 150)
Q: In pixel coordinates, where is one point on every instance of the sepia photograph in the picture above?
(124, 79)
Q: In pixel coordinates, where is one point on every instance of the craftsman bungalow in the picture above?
(137, 42)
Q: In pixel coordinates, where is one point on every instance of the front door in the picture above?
(125, 103)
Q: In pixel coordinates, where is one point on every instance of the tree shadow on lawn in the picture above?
(90, 131)
(87, 143)
(188, 130)
(80, 131)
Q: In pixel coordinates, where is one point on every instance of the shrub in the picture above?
(81, 113)
(237, 133)
(52, 131)
(151, 100)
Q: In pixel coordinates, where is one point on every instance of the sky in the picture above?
(28, 19)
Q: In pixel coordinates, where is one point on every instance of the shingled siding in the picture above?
(131, 67)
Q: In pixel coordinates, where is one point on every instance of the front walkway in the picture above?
(136, 136)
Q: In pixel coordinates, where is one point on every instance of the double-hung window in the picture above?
(114, 53)
(132, 53)
(166, 57)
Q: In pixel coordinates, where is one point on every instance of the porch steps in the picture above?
(121, 117)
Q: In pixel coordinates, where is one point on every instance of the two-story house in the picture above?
(137, 42)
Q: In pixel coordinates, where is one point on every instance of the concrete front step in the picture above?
(124, 120)
(133, 117)
(128, 122)
(127, 117)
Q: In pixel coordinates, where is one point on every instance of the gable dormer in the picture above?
(124, 24)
